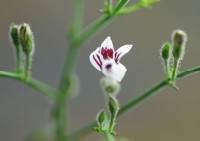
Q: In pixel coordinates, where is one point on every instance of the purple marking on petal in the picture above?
(117, 57)
(99, 60)
(107, 53)
(98, 63)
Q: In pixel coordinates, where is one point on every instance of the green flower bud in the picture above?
(26, 39)
(179, 39)
(166, 51)
(101, 116)
(14, 34)
(15, 37)
(101, 119)
(109, 86)
(166, 54)
(113, 106)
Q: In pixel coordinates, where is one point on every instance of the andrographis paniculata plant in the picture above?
(105, 59)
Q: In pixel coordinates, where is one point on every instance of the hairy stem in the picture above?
(175, 69)
(28, 67)
(167, 70)
(18, 60)
(112, 123)
(135, 101)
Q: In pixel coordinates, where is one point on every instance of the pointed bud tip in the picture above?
(25, 28)
(14, 34)
(166, 51)
(26, 39)
(179, 38)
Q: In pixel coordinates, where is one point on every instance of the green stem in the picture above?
(101, 126)
(167, 70)
(61, 110)
(135, 101)
(77, 20)
(175, 69)
(98, 24)
(108, 6)
(92, 29)
(36, 84)
(18, 60)
(108, 136)
(28, 67)
(69, 66)
(130, 9)
(142, 97)
(59, 115)
(112, 123)
(119, 6)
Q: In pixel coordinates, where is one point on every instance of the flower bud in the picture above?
(166, 54)
(14, 34)
(179, 39)
(166, 51)
(109, 86)
(101, 116)
(26, 39)
(113, 106)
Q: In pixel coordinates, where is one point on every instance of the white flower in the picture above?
(106, 59)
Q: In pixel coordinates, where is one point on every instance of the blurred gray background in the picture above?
(168, 116)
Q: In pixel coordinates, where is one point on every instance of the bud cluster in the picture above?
(22, 39)
(174, 52)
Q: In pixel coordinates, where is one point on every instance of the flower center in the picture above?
(108, 67)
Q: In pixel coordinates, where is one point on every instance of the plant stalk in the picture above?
(135, 101)
(18, 60)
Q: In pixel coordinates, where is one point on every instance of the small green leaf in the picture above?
(147, 3)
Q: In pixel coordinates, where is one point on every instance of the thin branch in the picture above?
(36, 84)
(135, 101)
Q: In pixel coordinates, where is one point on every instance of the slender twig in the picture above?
(34, 83)
(119, 6)
(18, 60)
(92, 29)
(135, 101)
(60, 111)
(175, 69)
(130, 9)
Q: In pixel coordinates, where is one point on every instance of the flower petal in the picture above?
(107, 49)
(114, 71)
(121, 52)
(96, 59)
